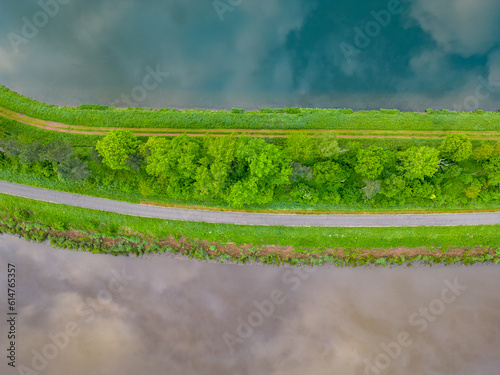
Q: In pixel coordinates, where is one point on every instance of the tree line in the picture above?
(249, 171)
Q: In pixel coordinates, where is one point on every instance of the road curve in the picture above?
(246, 218)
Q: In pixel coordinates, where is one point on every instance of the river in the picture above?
(82, 313)
(367, 54)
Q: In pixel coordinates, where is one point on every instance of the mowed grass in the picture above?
(302, 239)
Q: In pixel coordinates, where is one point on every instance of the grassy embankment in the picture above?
(269, 119)
(73, 227)
(102, 232)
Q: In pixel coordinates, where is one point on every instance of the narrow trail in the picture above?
(341, 133)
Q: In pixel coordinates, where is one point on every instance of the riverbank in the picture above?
(266, 118)
(115, 234)
(263, 133)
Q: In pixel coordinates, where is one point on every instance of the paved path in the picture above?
(372, 220)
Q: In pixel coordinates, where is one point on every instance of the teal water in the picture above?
(408, 54)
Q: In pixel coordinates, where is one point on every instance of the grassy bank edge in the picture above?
(116, 234)
(286, 118)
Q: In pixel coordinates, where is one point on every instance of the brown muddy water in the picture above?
(81, 313)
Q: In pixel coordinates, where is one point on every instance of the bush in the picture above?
(292, 110)
(389, 111)
(116, 147)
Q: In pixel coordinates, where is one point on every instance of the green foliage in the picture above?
(371, 189)
(149, 187)
(265, 168)
(300, 172)
(456, 147)
(31, 153)
(329, 175)
(175, 162)
(370, 163)
(304, 193)
(93, 107)
(134, 161)
(483, 152)
(300, 148)
(213, 175)
(419, 162)
(327, 146)
(473, 190)
(393, 186)
(57, 151)
(116, 147)
(73, 169)
(492, 169)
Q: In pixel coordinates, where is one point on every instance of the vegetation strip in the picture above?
(265, 118)
(341, 133)
(299, 172)
(100, 232)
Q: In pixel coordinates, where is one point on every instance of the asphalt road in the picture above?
(372, 220)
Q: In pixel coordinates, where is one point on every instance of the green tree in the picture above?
(371, 189)
(300, 148)
(300, 172)
(492, 169)
(175, 162)
(483, 152)
(264, 167)
(11, 147)
(213, 173)
(116, 147)
(473, 190)
(392, 186)
(327, 146)
(73, 169)
(456, 147)
(31, 153)
(329, 175)
(419, 162)
(370, 162)
(134, 161)
(57, 151)
(420, 189)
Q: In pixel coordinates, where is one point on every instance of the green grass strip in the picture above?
(291, 118)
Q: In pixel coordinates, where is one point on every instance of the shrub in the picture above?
(116, 147)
